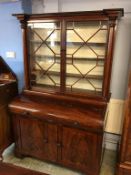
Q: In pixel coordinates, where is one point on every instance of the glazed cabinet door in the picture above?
(6, 137)
(37, 138)
(44, 39)
(86, 44)
(80, 150)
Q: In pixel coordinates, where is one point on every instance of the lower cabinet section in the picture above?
(36, 138)
(71, 147)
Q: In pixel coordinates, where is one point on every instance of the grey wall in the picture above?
(122, 52)
(43, 6)
(122, 57)
(11, 35)
(27, 6)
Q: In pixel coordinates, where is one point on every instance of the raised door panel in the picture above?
(9, 169)
(38, 139)
(129, 129)
(80, 149)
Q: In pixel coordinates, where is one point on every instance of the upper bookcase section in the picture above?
(69, 53)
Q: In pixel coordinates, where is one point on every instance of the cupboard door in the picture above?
(80, 150)
(38, 139)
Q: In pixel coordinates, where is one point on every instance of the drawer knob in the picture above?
(50, 120)
(7, 90)
(59, 145)
(76, 123)
(45, 140)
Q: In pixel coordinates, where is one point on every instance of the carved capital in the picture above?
(112, 23)
(23, 18)
(23, 24)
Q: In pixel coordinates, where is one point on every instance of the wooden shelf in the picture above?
(95, 77)
(69, 58)
(70, 43)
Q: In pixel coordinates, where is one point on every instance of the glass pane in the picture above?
(85, 55)
(44, 46)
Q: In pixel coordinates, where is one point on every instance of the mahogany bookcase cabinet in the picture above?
(59, 117)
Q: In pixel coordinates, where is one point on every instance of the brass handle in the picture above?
(45, 140)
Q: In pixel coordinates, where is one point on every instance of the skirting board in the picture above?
(111, 141)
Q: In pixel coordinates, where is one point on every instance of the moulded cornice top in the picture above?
(113, 13)
(4, 68)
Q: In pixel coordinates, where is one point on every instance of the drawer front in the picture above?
(31, 112)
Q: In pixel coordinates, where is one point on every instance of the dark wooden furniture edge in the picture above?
(8, 69)
(8, 90)
(9, 169)
(124, 153)
(123, 169)
(98, 102)
(86, 118)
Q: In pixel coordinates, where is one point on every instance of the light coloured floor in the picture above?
(108, 165)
